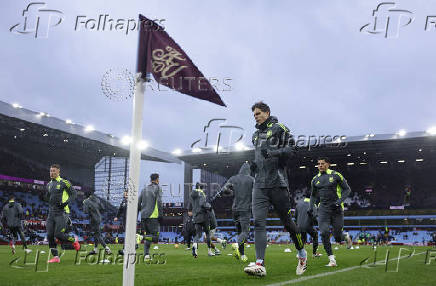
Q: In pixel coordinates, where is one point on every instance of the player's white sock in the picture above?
(95, 249)
(332, 257)
(194, 245)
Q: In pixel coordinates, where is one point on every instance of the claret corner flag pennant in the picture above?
(161, 56)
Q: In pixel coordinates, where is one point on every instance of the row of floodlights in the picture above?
(365, 163)
(125, 140)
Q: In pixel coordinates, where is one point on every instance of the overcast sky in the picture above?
(308, 61)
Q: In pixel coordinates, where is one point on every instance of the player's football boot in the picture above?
(107, 251)
(348, 239)
(302, 266)
(256, 270)
(194, 252)
(54, 260)
(332, 261)
(12, 247)
(224, 244)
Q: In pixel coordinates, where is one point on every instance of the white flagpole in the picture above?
(134, 172)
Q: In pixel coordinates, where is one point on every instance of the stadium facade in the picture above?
(389, 174)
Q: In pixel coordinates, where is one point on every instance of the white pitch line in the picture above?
(305, 278)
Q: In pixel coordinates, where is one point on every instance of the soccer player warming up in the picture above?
(331, 189)
(241, 187)
(59, 194)
(273, 146)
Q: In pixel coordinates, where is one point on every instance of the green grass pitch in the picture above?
(182, 269)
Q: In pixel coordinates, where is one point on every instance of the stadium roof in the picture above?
(381, 150)
(22, 130)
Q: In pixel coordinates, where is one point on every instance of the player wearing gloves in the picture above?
(273, 145)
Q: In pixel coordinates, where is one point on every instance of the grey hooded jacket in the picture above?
(12, 213)
(304, 221)
(280, 145)
(198, 206)
(150, 202)
(241, 187)
(93, 207)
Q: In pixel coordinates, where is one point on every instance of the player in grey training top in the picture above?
(241, 187)
(274, 146)
(11, 217)
(306, 221)
(60, 193)
(150, 206)
(330, 188)
(93, 207)
(200, 212)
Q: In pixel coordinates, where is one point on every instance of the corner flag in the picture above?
(161, 56)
